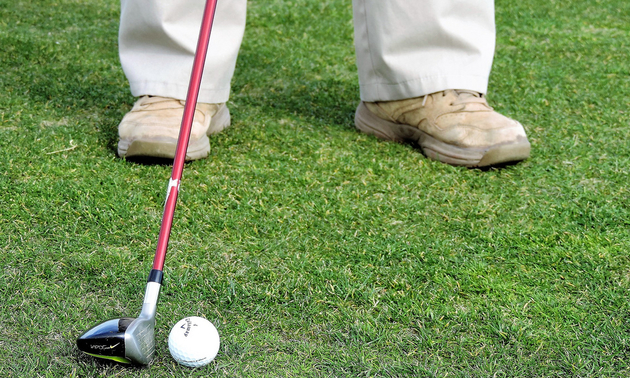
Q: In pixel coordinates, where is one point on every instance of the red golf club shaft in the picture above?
(184, 133)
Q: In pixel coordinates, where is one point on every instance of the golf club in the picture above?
(131, 340)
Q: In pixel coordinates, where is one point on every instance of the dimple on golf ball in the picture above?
(193, 341)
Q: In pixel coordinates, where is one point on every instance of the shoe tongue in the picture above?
(157, 102)
(471, 99)
(464, 93)
(153, 99)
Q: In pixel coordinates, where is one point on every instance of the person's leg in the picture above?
(423, 69)
(157, 43)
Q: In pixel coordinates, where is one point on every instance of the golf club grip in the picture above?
(184, 133)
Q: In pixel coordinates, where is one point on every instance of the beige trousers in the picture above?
(404, 48)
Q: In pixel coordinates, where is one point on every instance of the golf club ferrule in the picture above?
(156, 276)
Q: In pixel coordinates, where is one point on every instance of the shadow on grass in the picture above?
(321, 102)
(149, 161)
(108, 365)
(74, 74)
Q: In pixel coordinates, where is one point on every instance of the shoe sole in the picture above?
(163, 147)
(435, 149)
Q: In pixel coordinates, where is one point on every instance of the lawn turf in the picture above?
(315, 250)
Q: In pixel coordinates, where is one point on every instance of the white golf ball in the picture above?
(193, 342)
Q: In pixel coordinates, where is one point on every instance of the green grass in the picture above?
(316, 250)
